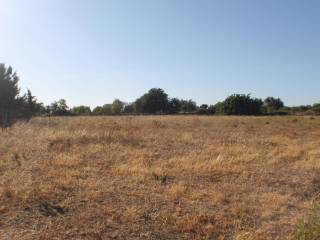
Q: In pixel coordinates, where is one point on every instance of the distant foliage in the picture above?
(219, 108)
(188, 106)
(81, 110)
(97, 110)
(204, 109)
(106, 109)
(117, 107)
(153, 102)
(304, 109)
(156, 101)
(59, 108)
(129, 108)
(174, 106)
(272, 104)
(242, 104)
(29, 106)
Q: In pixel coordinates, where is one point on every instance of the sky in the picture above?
(90, 52)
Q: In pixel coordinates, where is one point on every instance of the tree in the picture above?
(41, 109)
(59, 108)
(97, 110)
(205, 109)
(138, 106)
(107, 109)
(188, 106)
(219, 108)
(9, 95)
(202, 110)
(155, 101)
(31, 107)
(128, 108)
(211, 109)
(273, 104)
(117, 107)
(174, 106)
(204, 106)
(242, 104)
(81, 110)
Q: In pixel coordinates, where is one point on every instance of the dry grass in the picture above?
(172, 177)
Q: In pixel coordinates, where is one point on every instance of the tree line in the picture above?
(15, 106)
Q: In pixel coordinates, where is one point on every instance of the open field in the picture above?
(168, 177)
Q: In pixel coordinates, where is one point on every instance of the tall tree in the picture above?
(30, 105)
(9, 94)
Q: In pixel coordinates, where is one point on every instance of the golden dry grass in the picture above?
(169, 177)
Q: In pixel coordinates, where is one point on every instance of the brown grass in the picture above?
(177, 177)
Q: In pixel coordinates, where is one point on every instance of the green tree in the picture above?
(97, 110)
(41, 109)
(107, 109)
(188, 106)
(242, 104)
(128, 108)
(31, 106)
(219, 108)
(211, 109)
(203, 109)
(153, 102)
(9, 95)
(174, 106)
(59, 108)
(117, 107)
(81, 110)
(273, 104)
(204, 106)
(138, 106)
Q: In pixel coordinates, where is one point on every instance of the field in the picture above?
(151, 177)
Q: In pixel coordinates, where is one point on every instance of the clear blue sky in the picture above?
(93, 51)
